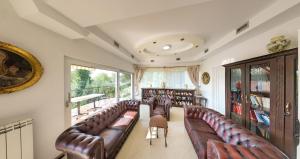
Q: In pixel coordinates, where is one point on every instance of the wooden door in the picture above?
(235, 93)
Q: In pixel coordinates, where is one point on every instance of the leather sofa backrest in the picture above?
(211, 117)
(229, 131)
(194, 112)
(96, 123)
(93, 125)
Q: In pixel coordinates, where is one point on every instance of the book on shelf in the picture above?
(266, 103)
(252, 115)
(262, 117)
(260, 86)
(254, 100)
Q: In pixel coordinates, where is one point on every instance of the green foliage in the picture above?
(125, 85)
(83, 84)
(105, 84)
(81, 79)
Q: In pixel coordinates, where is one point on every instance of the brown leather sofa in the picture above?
(102, 135)
(160, 106)
(215, 137)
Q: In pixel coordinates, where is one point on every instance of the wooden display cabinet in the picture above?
(261, 95)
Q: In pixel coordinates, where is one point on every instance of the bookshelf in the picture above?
(179, 97)
(261, 96)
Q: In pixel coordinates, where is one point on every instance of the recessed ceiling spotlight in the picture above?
(206, 50)
(167, 47)
(151, 60)
(182, 39)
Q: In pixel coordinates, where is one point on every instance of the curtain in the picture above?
(193, 72)
(175, 77)
(138, 75)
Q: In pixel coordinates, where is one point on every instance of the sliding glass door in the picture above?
(93, 89)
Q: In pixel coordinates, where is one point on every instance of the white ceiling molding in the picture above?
(172, 44)
(101, 39)
(40, 13)
(262, 17)
(36, 11)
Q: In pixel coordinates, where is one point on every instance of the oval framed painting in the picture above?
(19, 69)
(205, 78)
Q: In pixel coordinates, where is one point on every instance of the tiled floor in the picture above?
(179, 144)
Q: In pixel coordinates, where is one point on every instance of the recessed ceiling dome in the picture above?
(170, 44)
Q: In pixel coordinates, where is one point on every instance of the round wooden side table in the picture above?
(158, 121)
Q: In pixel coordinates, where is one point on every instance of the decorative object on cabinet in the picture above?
(261, 95)
(205, 78)
(278, 43)
(18, 68)
(179, 97)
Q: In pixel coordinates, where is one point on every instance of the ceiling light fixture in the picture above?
(166, 47)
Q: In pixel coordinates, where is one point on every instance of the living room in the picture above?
(180, 49)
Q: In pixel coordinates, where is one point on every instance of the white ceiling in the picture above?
(93, 12)
(132, 22)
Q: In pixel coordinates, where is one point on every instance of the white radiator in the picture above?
(16, 140)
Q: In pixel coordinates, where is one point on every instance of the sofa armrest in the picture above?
(195, 112)
(75, 143)
(220, 150)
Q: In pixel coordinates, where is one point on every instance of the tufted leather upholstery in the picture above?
(160, 106)
(101, 135)
(213, 137)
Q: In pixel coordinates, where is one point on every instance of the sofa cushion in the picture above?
(121, 123)
(199, 139)
(111, 139)
(130, 114)
(198, 125)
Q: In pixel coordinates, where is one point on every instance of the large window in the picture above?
(166, 78)
(125, 86)
(94, 89)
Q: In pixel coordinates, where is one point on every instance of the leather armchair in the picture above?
(160, 106)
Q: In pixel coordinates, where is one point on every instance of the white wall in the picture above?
(44, 102)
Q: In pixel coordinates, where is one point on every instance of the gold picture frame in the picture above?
(19, 69)
(205, 78)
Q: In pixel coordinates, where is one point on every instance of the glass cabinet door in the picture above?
(236, 95)
(258, 99)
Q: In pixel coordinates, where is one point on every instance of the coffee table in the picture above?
(158, 121)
